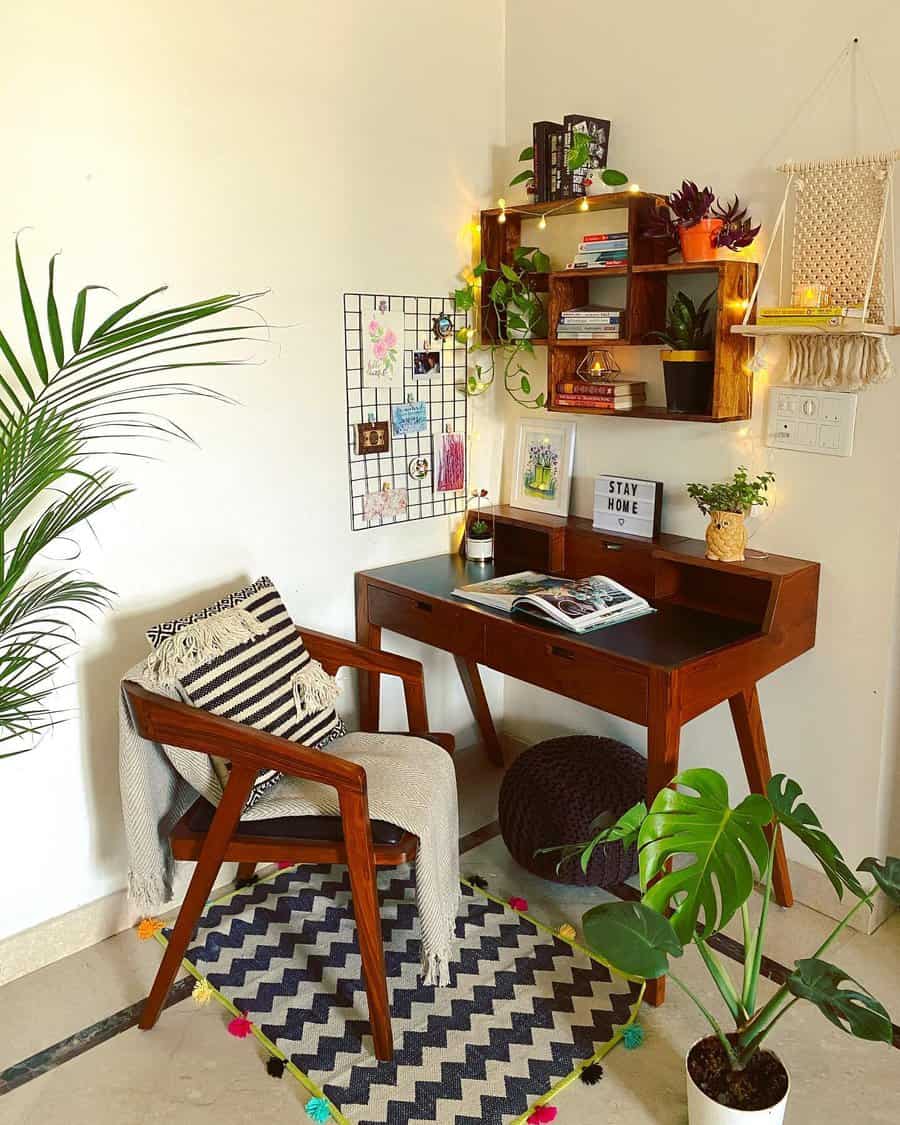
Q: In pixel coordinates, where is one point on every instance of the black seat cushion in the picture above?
(201, 813)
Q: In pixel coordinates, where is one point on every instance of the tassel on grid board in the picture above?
(452, 467)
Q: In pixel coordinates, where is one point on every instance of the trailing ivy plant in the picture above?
(519, 313)
(699, 858)
(578, 155)
(79, 395)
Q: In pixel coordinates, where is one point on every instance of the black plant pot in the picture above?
(689, 381)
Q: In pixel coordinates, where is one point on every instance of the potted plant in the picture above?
(688, 359)
(599, 181)
(479, 536)
(698, 860)
(727, 504)
(521, 314)
(693, 220)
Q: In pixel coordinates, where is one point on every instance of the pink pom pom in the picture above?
(520, 904)
(541, 1114)
(239, 1027)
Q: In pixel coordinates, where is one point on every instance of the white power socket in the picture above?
(811, 420)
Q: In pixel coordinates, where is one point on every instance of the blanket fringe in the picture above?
(436, 968)
(201, 641)
(148, 892)
(314, 690)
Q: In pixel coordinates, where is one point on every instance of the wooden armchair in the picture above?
(212, 836)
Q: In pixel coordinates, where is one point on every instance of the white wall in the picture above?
(704, 98)
(308, 148)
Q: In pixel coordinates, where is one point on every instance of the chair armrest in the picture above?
(337, 652)
(178, 724)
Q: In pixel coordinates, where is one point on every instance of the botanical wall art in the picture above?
(383, 349)
(386, 503)
(545, 452)
(451, 463)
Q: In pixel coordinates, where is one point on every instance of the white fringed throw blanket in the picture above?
(411, 783)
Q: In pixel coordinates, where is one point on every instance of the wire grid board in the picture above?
(445, 401)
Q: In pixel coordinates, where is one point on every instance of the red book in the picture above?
(603, 237)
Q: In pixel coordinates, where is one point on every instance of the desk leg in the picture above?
(663, 741)
(748, 726)
(474, 689)
(369, 682)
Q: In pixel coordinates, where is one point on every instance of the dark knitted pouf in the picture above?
(553, 792)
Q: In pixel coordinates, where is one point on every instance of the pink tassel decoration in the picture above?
(519, 904)
(239, 1027)
(541, 1114)
(451, 463)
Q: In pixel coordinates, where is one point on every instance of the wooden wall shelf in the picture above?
(646, 296)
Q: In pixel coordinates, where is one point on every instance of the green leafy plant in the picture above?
(520, 316)
(686, 327)
(80, 394)
(736, 495)
(479, 527)
(699, 858)
(578, 155)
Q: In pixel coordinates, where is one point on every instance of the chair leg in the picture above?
(227, 815)
(245, 871)
(363, 886)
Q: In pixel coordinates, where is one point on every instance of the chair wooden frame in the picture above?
(178, 724)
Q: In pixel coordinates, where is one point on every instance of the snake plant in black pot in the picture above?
(687, 358)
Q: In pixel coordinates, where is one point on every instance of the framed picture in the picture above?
(382, 357)
(545, 453)
(426, 365)
(372, 437)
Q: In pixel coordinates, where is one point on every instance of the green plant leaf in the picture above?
(718, 842)
(509, 273)
(513, 320)
(121, 313)
(798, 817)
(522, 177)
(631, 937)
(18, 370)
(472, 384)
(579, 151)
(527, 153)
(853, 1010)
(539, 401)
(541, 262)
(499, 291)
(464, 298)
(56, 339)
(886, 875)
(526, 385)
(480, 269)
(613, 178)
(31, 323)
(78, 315)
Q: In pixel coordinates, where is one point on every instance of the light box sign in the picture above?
(628, 506)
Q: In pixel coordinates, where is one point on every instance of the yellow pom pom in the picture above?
(149, 927)
(567, 932)
(202, 992)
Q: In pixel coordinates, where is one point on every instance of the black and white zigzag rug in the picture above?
(524, 1012)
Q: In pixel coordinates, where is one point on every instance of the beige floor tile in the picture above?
(478, 783)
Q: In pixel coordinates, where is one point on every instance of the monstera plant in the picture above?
(699, 859)
(77, 396)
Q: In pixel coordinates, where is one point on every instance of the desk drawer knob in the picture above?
(565, 653)
(425, 607)
(611, 546)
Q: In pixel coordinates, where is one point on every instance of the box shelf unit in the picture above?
(646, 277)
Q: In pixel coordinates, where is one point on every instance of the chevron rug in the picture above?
(524, 1012)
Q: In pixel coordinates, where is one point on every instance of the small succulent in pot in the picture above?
(727, 504)
(687, 358)
(479, 534)
(696, 222)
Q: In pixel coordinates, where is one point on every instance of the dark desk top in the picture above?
(672, 636)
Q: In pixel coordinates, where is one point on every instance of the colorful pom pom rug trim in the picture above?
(318, 1095)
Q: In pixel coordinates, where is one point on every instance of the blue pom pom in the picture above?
(632, 1036)
(317, 1109)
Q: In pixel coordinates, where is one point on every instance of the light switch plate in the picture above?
(810, 420)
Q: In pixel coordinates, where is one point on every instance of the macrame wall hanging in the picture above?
(841, 215)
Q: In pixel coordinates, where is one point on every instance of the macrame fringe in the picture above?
(436, 969)
(848, 363)
(201, 641)
(314, 690)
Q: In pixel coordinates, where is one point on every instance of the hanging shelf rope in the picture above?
(842, 217)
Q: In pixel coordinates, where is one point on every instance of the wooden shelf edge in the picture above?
(597, 342)
(608, 202)
(799, 330)
(610, 271)
(655, 413)
(715, 266)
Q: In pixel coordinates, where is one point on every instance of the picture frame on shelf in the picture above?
(542, 476)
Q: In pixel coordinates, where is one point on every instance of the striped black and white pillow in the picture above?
(243, 658)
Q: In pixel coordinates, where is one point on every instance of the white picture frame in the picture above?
(542, 469)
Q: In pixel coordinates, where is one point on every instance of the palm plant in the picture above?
(81, 393)
(698, 859)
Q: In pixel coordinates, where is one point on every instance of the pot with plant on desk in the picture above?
(479, 533)
(688, 359)
(727, 504)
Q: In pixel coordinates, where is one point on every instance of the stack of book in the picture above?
(620, 395)
(600, 251)
(590, 322)
(823, 316)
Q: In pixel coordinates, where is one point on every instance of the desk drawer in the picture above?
(429, 620)
(568, 668)
(624, 560)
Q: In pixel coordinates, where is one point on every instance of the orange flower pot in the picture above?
(697, 243)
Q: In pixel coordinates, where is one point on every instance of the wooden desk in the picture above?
(719, 628)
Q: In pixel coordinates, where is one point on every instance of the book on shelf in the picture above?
(802, 321)
(601, 406)
(597, 265)
(614, 237)
(590, 313)
(585, 334)
(611, 249)
(580, 604)
(602, 247)
(623, 389)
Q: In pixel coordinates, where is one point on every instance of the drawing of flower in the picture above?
(379, 349)
(390, 338)
(373, 327)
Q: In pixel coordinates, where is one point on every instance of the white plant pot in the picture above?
(479, 550)
(702, 1110)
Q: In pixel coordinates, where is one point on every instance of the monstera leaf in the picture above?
(631, 937)
(853, 1010)
(625, 830)
(799, 818)
(721, 842)
(886, 875)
